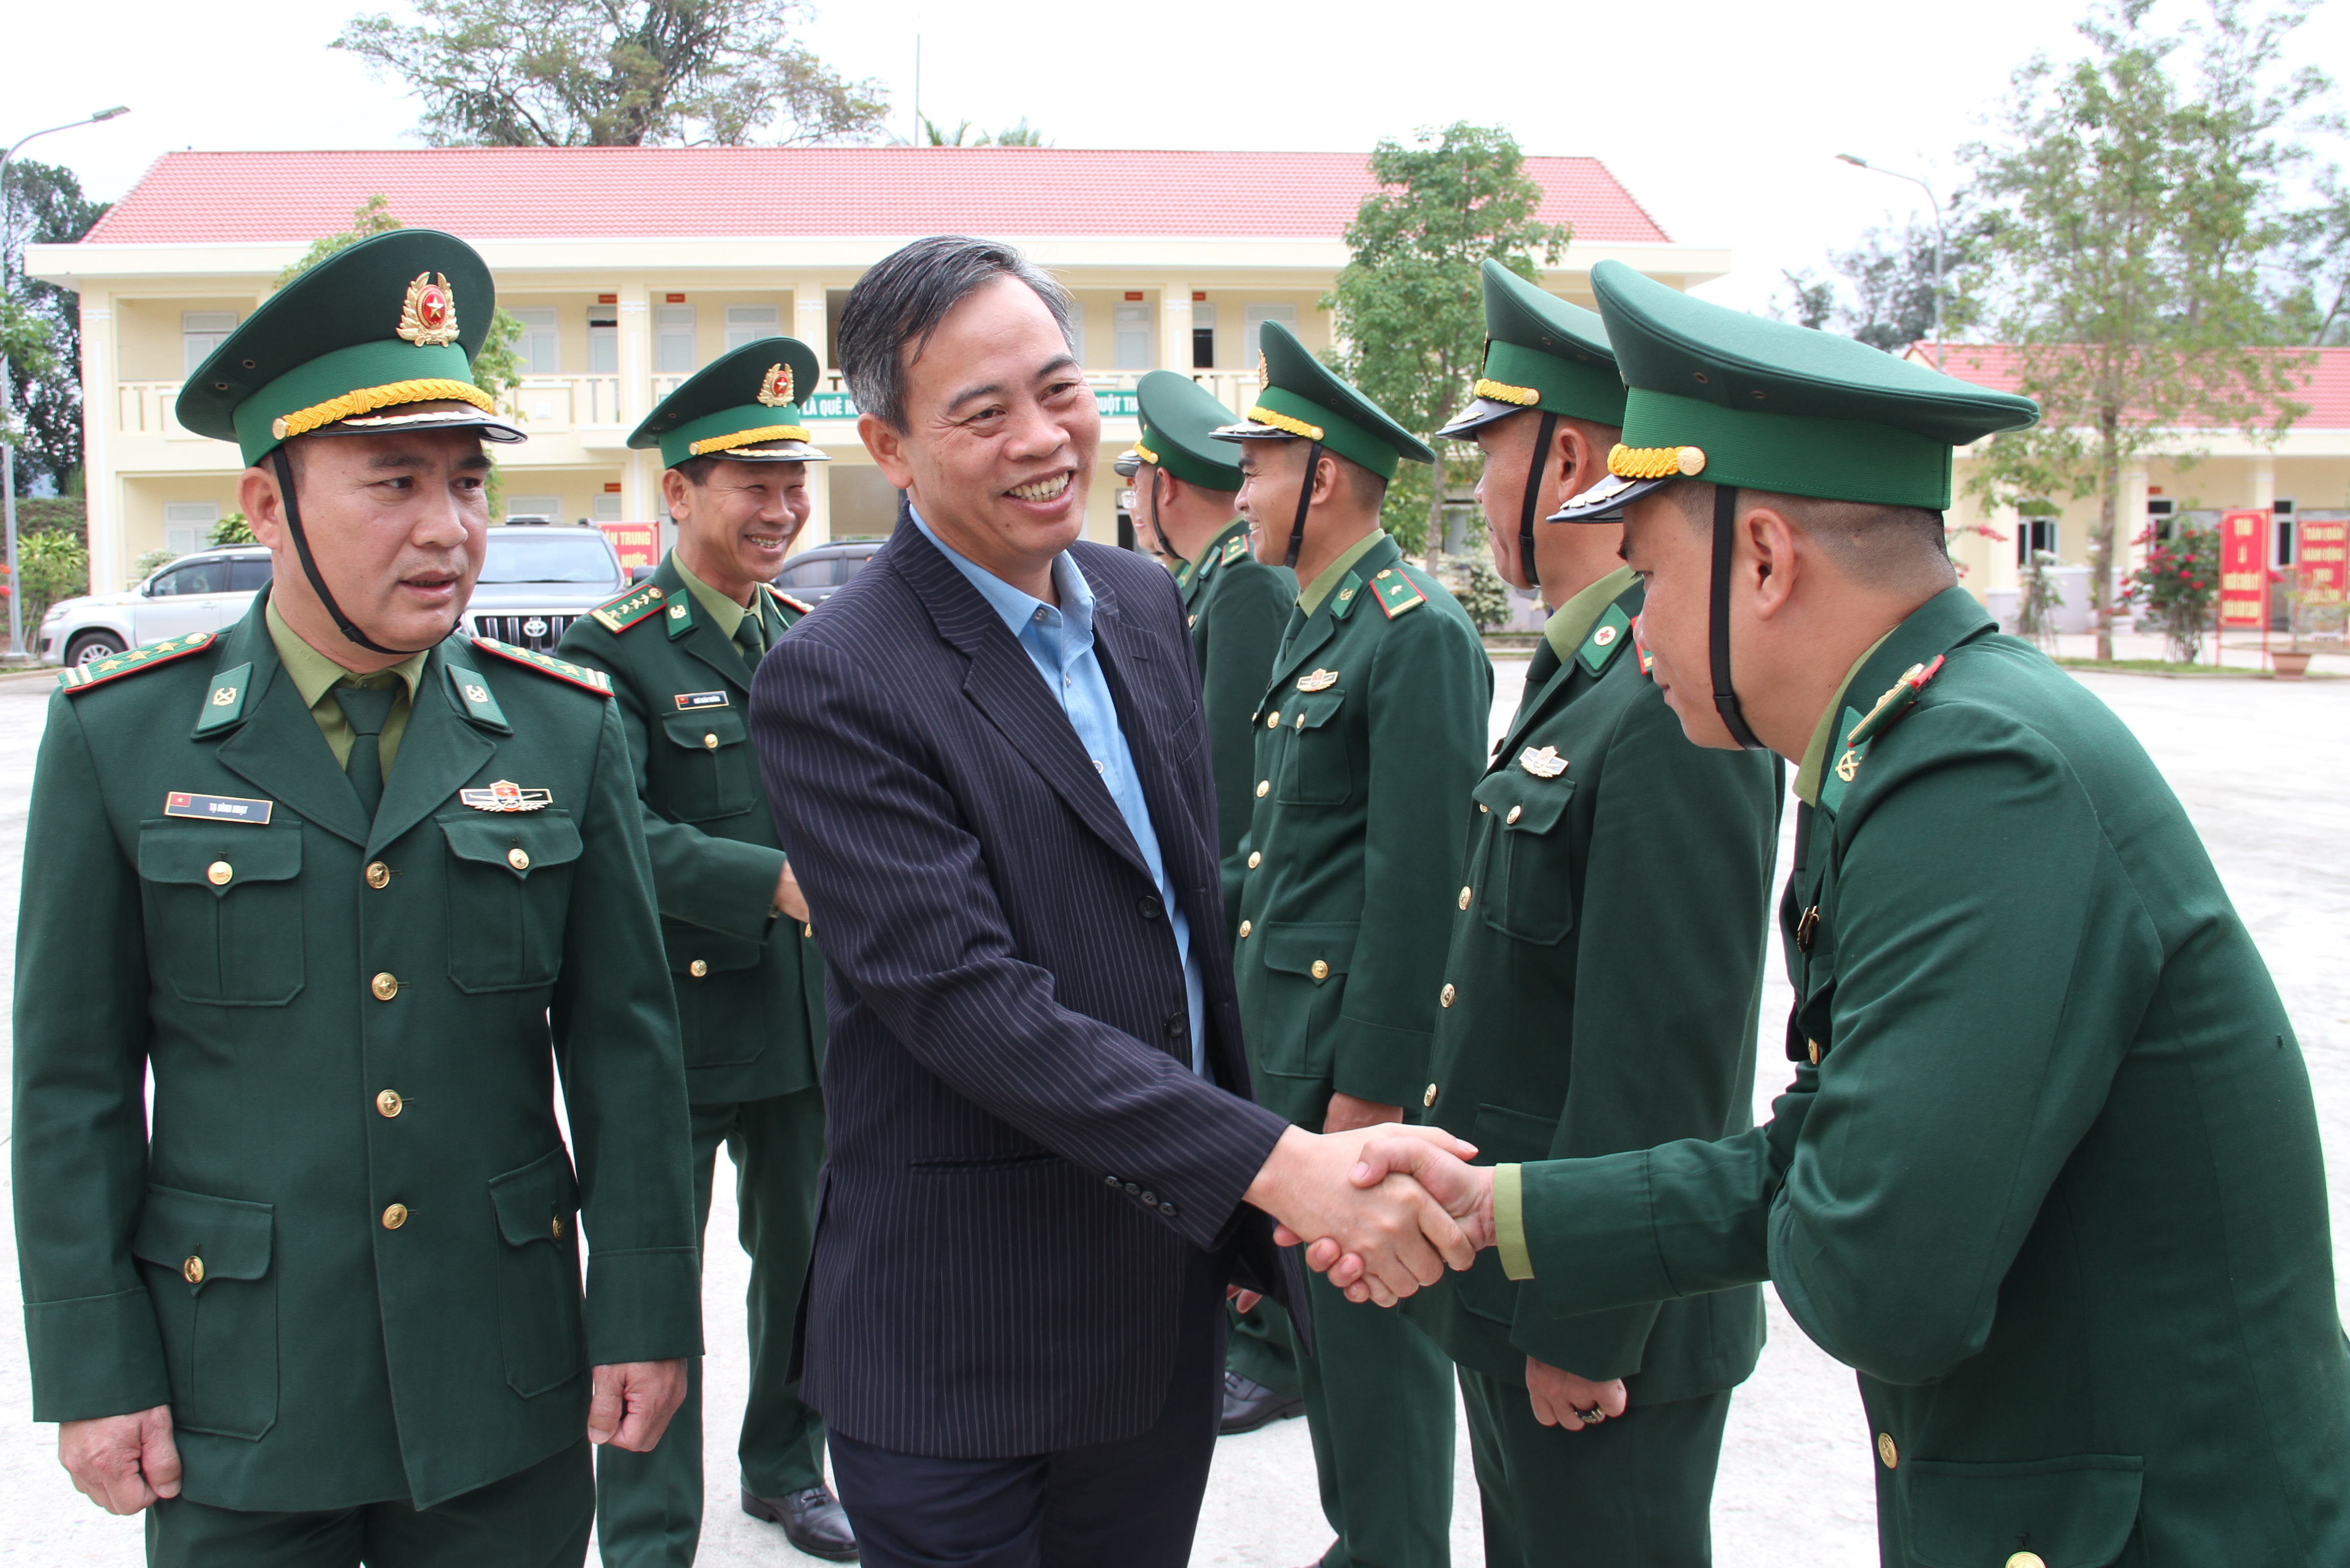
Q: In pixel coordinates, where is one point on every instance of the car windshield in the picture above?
(522, 556)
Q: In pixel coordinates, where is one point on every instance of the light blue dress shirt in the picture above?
(1060, 641)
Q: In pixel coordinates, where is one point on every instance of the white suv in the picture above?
(203, 592)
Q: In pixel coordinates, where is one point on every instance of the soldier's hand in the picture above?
(789, 899)
(631, 1402)
(122, 1463)
(1347, 1113)
(1563, 1399)
(1465, 1191)
(1398, 1236)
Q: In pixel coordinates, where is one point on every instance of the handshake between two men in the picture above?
(1383, 1209)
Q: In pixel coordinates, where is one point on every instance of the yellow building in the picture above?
(630, 267)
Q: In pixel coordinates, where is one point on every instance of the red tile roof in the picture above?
(737, 192)
(2000, 366)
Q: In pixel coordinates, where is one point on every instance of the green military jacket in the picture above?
(2054, 1187)
(1370, 732)
(1237, 607)
(346, 1250)
(1604, 980)
(750, 985)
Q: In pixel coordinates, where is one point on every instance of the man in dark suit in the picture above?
(988, 763)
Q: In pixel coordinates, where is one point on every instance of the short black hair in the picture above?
(1904, 548)
(696, 469)
(901, 301)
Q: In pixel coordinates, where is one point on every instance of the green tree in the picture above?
(373, 217)
(2128, 216)
(616, 73)
(233, 529)
(1484, 597)
(1410, 306)
(55, 565)
(40, 324)
(1018, 134)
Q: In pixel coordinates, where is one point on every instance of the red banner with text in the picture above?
(638, 543)
(2324, 557)
(2244, 569)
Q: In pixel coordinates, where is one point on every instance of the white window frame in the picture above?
(188, 524)
(607, 507)
(200, 332)
(547, 507)
(1203, 319)
(673, 340)
(541, 343)
(1130, 337)
(749, 323)
(1253, 316)
(603, 340)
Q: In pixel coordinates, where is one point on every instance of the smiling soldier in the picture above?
(681, 648)
(339, 879)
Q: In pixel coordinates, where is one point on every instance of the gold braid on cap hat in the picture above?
(1144, 452)
(366, 400)
(1265, 416)
(1655, 461)
(746, 438)
(1502, 392)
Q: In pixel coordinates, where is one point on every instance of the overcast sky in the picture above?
(1723, 118)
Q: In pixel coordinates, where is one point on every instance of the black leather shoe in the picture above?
(813, 1522)
(1249, 1405)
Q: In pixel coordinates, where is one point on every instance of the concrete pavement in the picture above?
(2262, 767)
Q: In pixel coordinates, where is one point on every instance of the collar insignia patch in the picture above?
(506, 796)
(1235, 547)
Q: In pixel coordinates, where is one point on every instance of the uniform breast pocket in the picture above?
(1316, 769)
(707, 771)
(540, 1326)
(509, 890)
(206, 1265)
(224, 909)
(724, 1023)
(1528, 889)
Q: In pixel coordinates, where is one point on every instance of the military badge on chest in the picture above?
(506, 796)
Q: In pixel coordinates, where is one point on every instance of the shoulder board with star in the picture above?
(789, 603)
(578, 675)
(114, 667)
(1396, 592)
(630, 608)
(1894, 703)
(1235, 547)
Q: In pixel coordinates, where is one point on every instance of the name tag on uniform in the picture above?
(687, 701)
(217, 807)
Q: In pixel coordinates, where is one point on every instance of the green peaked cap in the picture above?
(1179, 420)
(1302, 400)
(1541, 353)
(744, 406)
(1731, 398)
(352, 346)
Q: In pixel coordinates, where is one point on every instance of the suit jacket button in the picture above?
(1167, 1210)
(1427, 1100)
(1177, 1025)
(1272, 720)
(1111, 1180)
(1255, 859)
(1464, 898)
(1245, 928)
(388, 1103)
(1263, 788)
(395, 1217)
(1444, 997)
(1130, 1187)
(379, 874)
(1887, 1452)
(1149, 907)
(1149, 1199)
(384, 986)
(698, 968)
(192, 1270)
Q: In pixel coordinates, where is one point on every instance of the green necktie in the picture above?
(751, 636)
(367, 708)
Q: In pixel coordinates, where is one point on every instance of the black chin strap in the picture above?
(1725, 697)
(1156, 531)
(1534, 491)
(1305, 499)
(343, 623)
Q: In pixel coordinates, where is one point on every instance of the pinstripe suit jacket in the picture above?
(1021, 1162)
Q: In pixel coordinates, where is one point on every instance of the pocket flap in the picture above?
(2074, 1512)
(1296, 948)
(715, 952)
(1524, 803)
(548, 837)
(1504, 1136)
(176, 852)
(530, 1200)
(1311, 710)
(231, 1237)
(695, 730)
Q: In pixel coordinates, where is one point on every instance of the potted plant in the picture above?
(2314, 614)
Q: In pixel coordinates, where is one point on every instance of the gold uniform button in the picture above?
(379, 874)
(710, 742)
(1464, 898)
(1427, 1100)
(518, 858)
(555, 1226)
(1812, 1046)
(2027, 1560)
(1320, 971)
(1887, 1452)
(1482, 808)
(385, 986)
(698, 968)
(192, 1270)
(219, 872)
(395, 1217)
(1445, 996)
(1255, 859)
(1263, 788)
(1515, 812)
(1272, 720)
(1244, 927)
(387, 1103)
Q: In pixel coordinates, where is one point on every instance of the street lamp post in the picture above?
(1939, 238)
(7, 390)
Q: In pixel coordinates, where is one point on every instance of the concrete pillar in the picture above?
(639, 480)
(1175, 327)
(2263, 482)
(110, 560)
(807, 325)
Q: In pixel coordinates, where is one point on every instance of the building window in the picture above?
(188, 524)
(672, 341)
(608, 507)
(1203, 335)
(547, 507)
(2159, 517)
(200, 332)
(1255, 317)
(2033, 536)
(749, 323)
(542, 354)
(1130, 337)
(2287, 528)
(603, 340)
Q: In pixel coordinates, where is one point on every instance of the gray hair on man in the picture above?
(899, 302)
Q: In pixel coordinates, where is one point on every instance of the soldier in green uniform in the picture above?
(681, 648)
(2048, 1177)
(1605, 978)
(1370, 731)
(353, 891)
(1184, 484)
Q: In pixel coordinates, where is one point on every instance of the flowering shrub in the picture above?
(2177, 589)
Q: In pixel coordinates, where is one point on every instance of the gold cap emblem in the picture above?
(1545, 764)
(428, 316)
(776, 391)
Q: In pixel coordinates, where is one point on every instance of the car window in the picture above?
(532, 555)
(247, 574)
(809, 573)
(208, 577)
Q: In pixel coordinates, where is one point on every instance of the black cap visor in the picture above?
(454, 416)
(1478, 414)
(1605, 501)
